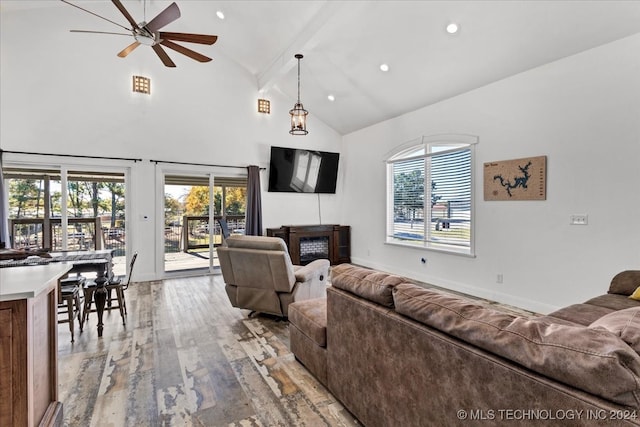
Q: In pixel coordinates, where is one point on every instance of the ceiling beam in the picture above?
(285, 61)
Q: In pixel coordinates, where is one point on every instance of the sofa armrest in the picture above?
(625, 282)
(315, 269)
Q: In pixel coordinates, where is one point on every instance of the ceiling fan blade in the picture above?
(183, 50)
(126, 14)
(167, 16)
(163, 55)
(189, 38)
(100, 32)
(127, 50)
(95, 14)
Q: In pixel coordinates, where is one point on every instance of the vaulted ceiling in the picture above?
(345, 42)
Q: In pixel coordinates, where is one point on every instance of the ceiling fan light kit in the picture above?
(298, 113)
(149, 34)
(145, 39)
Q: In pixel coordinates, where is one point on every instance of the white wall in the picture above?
(583, 112)
(60, 96)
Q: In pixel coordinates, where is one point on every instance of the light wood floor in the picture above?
(187, 358)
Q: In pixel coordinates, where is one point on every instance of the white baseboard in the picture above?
(476, 291)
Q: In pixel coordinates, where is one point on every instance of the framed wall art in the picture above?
(519, 179)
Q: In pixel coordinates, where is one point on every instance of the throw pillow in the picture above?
(624, 323)
(636, 294)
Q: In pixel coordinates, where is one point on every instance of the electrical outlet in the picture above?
(579, 219)
(499, 278)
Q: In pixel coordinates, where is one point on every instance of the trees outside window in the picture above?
(95, 209)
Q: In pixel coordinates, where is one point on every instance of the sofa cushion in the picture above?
(368, 284)
(593, 360)
(310, 317)
(309, 353)
(583, 314)
(613, 301)
(623, 323)
(625, 282)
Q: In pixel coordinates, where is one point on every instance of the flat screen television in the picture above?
(295, 170)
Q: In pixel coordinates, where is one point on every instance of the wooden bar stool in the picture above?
(69, 302)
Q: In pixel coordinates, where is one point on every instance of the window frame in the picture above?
(423, 148)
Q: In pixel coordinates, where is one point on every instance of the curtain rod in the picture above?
(71, 155)
(121, 158)
(200, 164)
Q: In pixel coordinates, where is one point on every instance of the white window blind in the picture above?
(430, 196)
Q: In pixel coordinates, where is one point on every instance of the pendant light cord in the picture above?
(298, 80)
(298, 56)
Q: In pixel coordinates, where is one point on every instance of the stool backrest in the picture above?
(131, 264)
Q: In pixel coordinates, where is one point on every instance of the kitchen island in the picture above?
(29, 345)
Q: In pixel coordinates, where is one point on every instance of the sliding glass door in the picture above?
(187, 231)
(192, 207)
(60, 209)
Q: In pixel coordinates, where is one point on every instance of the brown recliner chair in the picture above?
(259, 275)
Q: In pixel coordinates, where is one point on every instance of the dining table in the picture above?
(98, 261)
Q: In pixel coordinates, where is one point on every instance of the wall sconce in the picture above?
(142, 84)
(264, 106)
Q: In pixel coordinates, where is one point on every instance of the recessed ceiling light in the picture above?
(331, 98)
(219, 14)
(384, 67)
(452, 28)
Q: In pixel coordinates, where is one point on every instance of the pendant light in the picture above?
(298, 113)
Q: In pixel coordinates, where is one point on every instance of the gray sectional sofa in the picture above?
(398, 354)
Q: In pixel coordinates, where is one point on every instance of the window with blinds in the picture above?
(430, 194)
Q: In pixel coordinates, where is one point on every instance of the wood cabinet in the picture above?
(29, 346)
(309, 242)
(342, 244)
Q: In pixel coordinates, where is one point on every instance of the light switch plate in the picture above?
(579, 219)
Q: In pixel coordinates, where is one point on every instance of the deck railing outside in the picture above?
(193, 232)
(33, 234)
(38, 233)
(29, 233)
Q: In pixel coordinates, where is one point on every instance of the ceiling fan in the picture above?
(148, 34)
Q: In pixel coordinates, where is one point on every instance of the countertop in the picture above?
(30, 281)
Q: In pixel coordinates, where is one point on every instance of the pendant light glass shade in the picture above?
(298, 113)
(298, 120)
